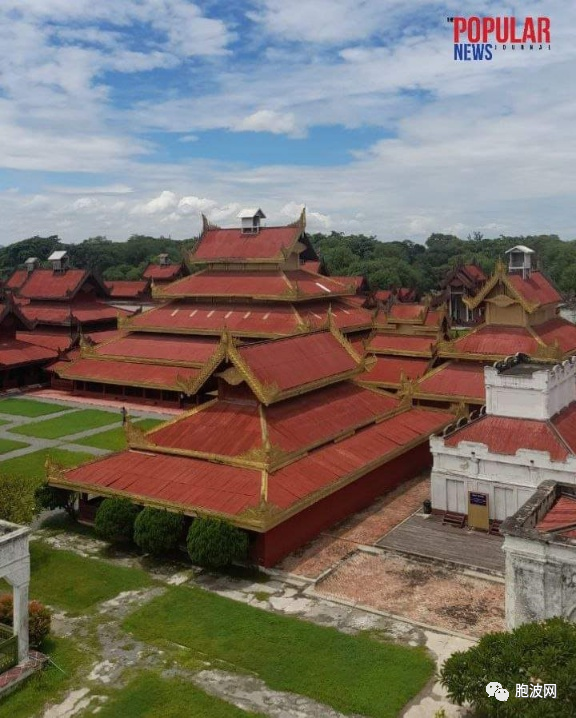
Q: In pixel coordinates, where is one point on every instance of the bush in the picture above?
(215, 543)
(157, 531)
(533, 653)
(18, 498)
(115, 520)
(51, 497)
(39, 618)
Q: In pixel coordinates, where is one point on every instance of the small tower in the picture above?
(163, 260)
(59, 261)
(31, 264)
(250, 219)
(520, 260)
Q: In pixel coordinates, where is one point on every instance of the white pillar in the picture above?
(20, 594)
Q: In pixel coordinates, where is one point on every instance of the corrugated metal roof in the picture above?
(161, 348)
(565, 424)
(14, 352)
(46, 284)
(388, 370)
(394, 343)
(535, 288)
(407, 311)
(297, 361)
(497, 340)
(558, 330)
(50, 341)
(52, 314)
(165, 271)
(17, 278)
(463, 379)
(561, 515)
(268, 243)
(127, 289)
(504, 435)
(122, 372)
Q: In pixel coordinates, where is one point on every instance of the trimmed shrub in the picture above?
(215, 543)
(51, 497)
(531, 655)
(157, 531)
(39, 618)
(115, 520)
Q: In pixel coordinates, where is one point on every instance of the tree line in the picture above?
(398, 263)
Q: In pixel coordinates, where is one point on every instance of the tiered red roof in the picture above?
(14, 352)
(561, 518)
(557, 331)
(269, 243)
(17, 279)
(493, 340)
(128, 289)
(46, 284)
(536, 288)
(167, 348)
(45, 313)
(401, 344)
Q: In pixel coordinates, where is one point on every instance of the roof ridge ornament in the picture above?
(207, 224)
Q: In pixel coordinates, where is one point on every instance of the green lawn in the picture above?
(33, 464)
(69, 424)
(149, 696)
(73, 583)
(353, 674)
(28, 407)
(50, 684)
(115, 439)
(7, 445)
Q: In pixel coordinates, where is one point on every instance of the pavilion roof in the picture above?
(454, 381)
(402, 344)
(391, 371)
(17, 279)
(162, 272)
(15, 352)
(46, 284)
(128, 289)
(65, 314)
(161, 349)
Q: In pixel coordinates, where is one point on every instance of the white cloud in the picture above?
(193, 205)
(269, 121)
(166, 200)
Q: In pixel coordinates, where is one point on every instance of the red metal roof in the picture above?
(161, 348)
(562, 514)
(409, 312)
(230, 429)
(17, 279)
(474, 271)
(433, 318)
(383, 294)
(535, 289)
(283, 286)
(558, 330)
(388, 371)
(268, 243)
(44, 339)
(123, 372)
(200, 484)
(297, 361)
(311, 266)
(161, 272)
(496, 340)
(565, 424)
(47, 284)
(455, 379)
(98, 337)
(60, 313)
(14, 352)
(265, 320)
(397, 343)
(126, 289)
(503, 435)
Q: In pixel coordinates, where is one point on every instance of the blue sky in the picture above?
(123, 116)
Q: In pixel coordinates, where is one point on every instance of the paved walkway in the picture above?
(64, 442)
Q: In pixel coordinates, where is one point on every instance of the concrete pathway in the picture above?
(64, 442)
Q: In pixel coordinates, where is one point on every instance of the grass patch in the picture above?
(68, 424)
(48, 685)
(29, 407)
(148, 696)
(7, 445)
(33, 464)
(75, 584)
(115, 439)
(353, 674)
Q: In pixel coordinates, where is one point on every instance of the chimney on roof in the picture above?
(520, 260)
(163, 260)
(250, 219)
(30, 264)
(59, 261)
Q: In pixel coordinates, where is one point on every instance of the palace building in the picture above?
(253, 281)
(521, 315)
(464, 281)
(289, 444)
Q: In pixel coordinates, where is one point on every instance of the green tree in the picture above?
(534, 653)
(157, 531)
(51, 498)
(18, 499)
(215, 543)
(115, 520)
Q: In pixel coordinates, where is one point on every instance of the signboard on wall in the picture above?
(478, 514)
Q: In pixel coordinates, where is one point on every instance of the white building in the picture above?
(540, 548)
(488, 466)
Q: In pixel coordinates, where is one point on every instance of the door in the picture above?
(504, 503)
(455, 496)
